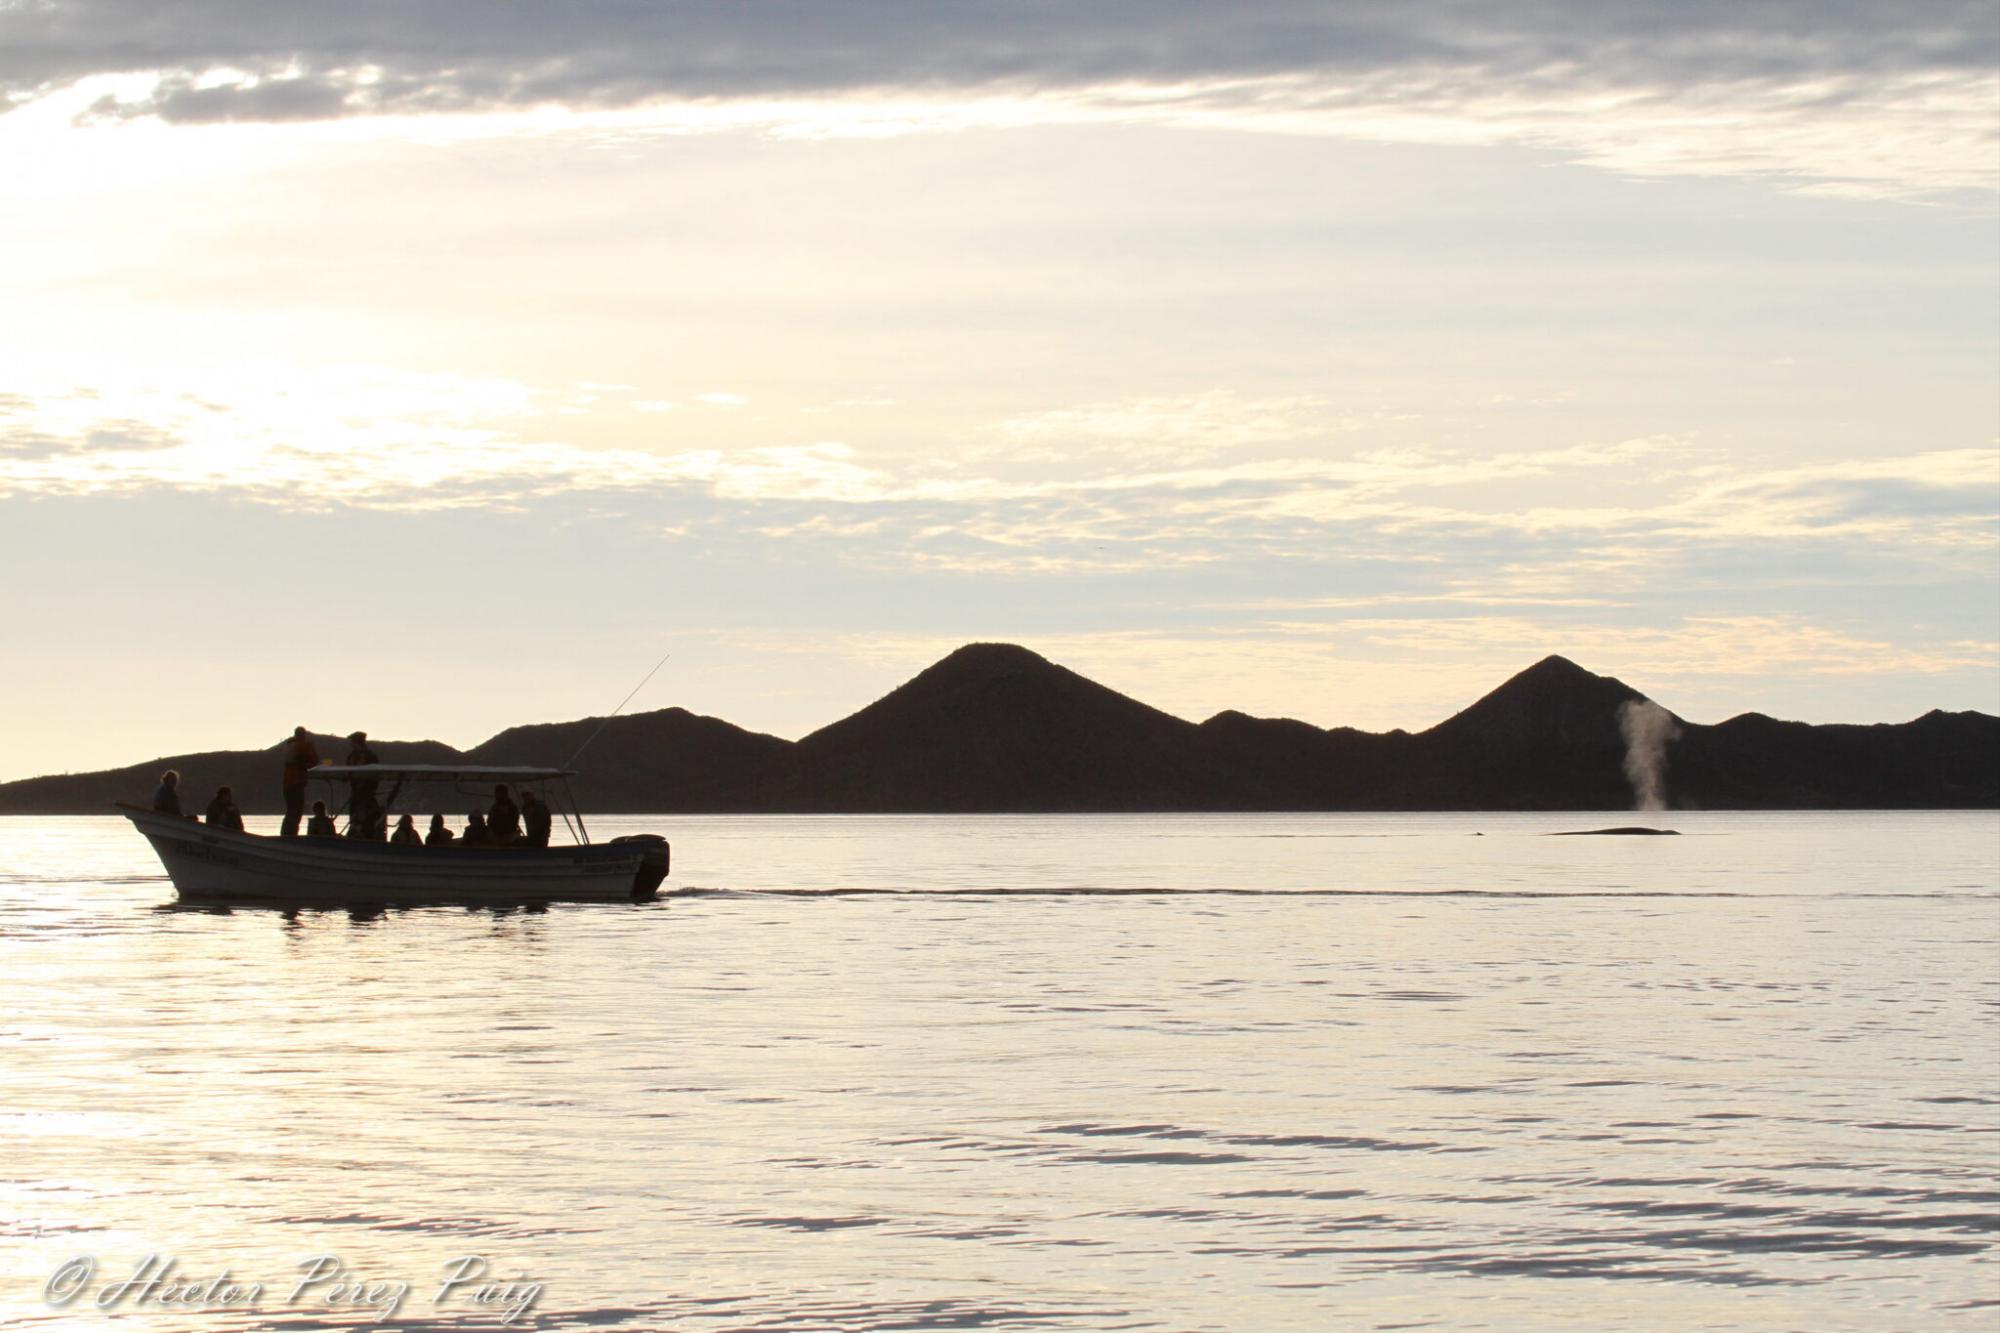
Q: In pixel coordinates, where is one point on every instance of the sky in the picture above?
(436, 368)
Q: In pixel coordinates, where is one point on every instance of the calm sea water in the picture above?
(1049, 1073)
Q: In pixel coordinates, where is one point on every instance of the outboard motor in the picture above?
(652, 869)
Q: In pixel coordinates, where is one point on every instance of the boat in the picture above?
(211, 864)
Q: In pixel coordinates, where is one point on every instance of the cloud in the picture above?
(1849, 97)
(1941, 497)
(1181, 429)
(1145, 484)
(1271, 561)
(368, 437)
(451, 54)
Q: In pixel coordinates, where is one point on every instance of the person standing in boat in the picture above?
(167, 796)
(535, 819)
(365, 816)
(222, 811)
(439, 836)
(301, 756)
(503, 821)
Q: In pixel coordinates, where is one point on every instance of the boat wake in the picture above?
(1128, 891)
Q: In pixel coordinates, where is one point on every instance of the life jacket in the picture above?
(300, 755)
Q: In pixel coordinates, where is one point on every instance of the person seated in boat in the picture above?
(222, 811)
(365, 816)
(321, 823)
(503, 820)
(167, 796)
(535, 819)
(439, 836)
(406, 834)
(476, 834)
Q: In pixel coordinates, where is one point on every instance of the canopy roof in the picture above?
(437, 773)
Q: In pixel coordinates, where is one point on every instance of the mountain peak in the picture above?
(1554, 693)
(1556, 672)
(994, 680)
(1555, 667)
(994, 726)
(990, 657)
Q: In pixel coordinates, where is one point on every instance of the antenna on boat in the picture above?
(619, 709)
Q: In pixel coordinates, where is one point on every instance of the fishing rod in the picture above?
(616, 711)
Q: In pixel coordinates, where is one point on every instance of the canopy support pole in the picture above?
(581, 833)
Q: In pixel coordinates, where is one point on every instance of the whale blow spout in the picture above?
(1648, 730)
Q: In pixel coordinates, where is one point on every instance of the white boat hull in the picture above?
(212, 864)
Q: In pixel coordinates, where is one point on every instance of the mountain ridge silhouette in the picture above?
(997, 728)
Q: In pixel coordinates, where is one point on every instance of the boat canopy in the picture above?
(437, 773)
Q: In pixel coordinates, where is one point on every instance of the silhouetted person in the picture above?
(321, 823)
(301, 756)
(475, 831)
(222, 811)
(366, 818)
(439, 836)
(503, 820)
(535, 819)
(167, 796)
(406, 834)
(358, 752)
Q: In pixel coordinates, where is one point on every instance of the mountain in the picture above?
(1547, 739)
(669, 760)
(256, 776)
(1938, 760)
(1284, 764)
(995, 728)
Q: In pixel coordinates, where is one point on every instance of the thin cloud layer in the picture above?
(1859, 97)
(1245, 481)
